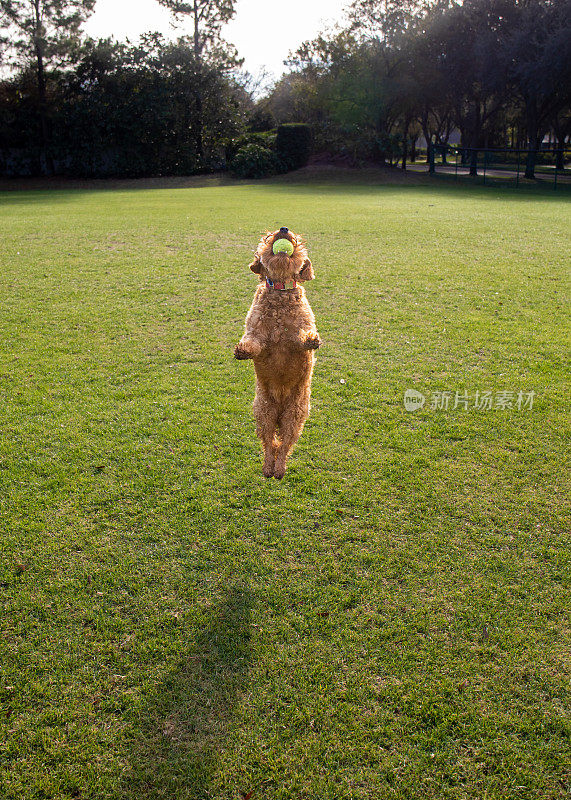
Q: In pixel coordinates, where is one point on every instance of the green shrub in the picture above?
(254, 161)
(293, 145)
(265, 139)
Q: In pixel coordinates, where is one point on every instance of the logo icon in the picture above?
(413, 400)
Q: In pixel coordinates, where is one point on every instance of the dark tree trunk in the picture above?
(532, 134)
(426, 135)
(559, 137)
(405, 142)
(474, 142)
(381, 149)
(425, 132)
(45, 155)
(198, 104)
(463, 147)
(196, 41)
(530, 162)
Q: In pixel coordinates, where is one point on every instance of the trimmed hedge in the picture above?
(293, 144)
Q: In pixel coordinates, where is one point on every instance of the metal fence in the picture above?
(552, 167)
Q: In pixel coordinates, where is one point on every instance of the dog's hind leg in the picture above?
(266, 416)
(291, 424)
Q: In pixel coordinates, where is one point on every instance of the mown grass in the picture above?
(389, 621)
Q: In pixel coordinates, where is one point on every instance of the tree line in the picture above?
(73, 105)
(496, 71)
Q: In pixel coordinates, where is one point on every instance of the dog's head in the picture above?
(281, 267)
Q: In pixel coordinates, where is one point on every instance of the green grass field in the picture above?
(389, 621)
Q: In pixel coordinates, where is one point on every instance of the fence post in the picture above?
(517, 176)
(456, 166)
(430, 158)
(485, 162)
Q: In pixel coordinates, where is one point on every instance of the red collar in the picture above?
(287, 285)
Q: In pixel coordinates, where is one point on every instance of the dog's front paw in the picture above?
(241, 352)
(312, 341)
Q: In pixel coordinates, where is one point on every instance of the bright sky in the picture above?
(264, 31)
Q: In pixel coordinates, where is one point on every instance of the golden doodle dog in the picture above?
(280, 338)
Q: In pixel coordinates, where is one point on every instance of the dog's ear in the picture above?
(306, 273)
(256, 265)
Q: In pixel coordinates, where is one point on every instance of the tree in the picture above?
(428, 97)
(468, 45)
(486, 67)
(385, 20)
(538, 52)
(208, 17)
(129, 110)
(561, 125)
(42, 33)
(350, 86)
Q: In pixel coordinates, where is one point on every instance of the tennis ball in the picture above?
(282, 246)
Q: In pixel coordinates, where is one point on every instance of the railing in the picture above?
(506, 164)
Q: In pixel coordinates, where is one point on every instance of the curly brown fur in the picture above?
(281, 338)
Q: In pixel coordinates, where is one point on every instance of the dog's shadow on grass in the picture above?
(179, 735)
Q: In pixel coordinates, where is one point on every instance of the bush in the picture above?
(293, 145)
(254, 161)
(266, 139)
